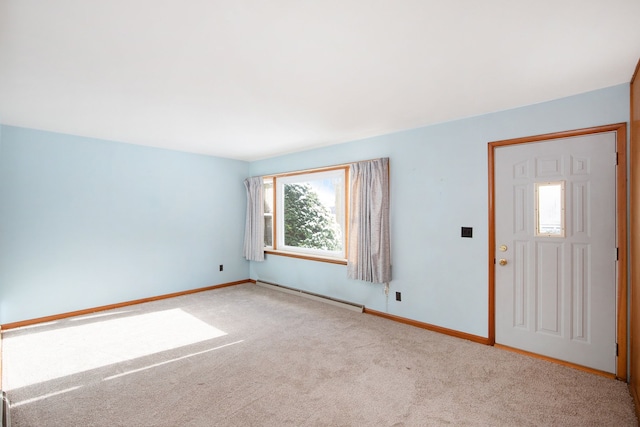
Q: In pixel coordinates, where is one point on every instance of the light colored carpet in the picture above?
(249, 356)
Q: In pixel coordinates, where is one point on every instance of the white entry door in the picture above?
(555, 231)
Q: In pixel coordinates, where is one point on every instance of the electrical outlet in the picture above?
(398, 296)
(221, 267)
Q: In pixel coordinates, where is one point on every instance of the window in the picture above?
(305, 213)
(268, 212)
(550, 209)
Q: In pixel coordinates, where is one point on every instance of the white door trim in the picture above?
(621, 229)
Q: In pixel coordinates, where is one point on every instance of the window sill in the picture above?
(308, 257)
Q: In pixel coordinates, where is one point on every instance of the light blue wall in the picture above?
(438, 184)
(86, 222)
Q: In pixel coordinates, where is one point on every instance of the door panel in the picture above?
(556, 293)
(549, 287)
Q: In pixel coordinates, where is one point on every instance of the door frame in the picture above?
(621, 231)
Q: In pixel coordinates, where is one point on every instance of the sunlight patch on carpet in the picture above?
(46, 396)
(74, 349)
(133, 371)
(155, 365)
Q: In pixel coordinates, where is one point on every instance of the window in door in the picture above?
(550, 209)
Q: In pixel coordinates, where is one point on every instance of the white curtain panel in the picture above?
(253, 249)
(369, 257)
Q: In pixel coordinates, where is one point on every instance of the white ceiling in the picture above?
(250, 79)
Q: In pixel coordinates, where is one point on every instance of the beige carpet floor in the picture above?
(249, 356)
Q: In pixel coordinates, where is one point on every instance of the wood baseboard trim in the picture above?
(559, 362)
(55, 317)
(433, 328)
(634, 393)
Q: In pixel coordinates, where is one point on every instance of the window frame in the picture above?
(538, 208)
(305, 253)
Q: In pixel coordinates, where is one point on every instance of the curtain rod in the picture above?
(320, 169)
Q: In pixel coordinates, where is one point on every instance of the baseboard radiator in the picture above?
(5, 411)
(317, 297)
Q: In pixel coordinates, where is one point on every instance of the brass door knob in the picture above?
(503, 261)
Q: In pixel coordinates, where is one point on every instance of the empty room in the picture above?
(267, 213)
